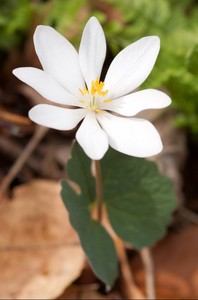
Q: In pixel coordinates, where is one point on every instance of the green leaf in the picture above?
(138, 199)
(95, 240)
(79, 170)
(139, 204)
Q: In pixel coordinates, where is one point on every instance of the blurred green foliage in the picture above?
(174, 21)
(15, 18)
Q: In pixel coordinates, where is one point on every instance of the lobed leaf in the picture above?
(138, 199)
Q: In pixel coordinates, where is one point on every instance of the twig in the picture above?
(129, 288)
(14, 118)
(99, 189)
(131, 291)
(149, 272)
(36, 138)
(13, 150)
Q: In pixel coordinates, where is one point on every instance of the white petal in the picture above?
(92, 138)
(56, 117)
(132, 104)
(135, 137)
(59, 58)
(92, 50)
(131, 66)
(46, 85)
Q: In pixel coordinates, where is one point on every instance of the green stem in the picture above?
(99, 191)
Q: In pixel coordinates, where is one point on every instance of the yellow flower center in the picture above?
(95, 96)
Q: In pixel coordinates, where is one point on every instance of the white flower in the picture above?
(71, 78)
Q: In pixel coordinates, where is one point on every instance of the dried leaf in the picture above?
(40, 252)
(176, 265)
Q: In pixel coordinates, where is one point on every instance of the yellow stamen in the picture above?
(107, 101)
(99, 111)
(86, 90)
(95, 94)
(93, 90)
(81, 91)
(104, 93)
(97, 87)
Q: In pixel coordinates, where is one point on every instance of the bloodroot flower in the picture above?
(106, 108)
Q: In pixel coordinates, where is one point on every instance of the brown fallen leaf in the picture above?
(40, 254)
(176, 265)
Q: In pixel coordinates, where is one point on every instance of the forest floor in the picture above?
(36, 251)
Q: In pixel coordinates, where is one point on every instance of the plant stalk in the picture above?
(99, 190)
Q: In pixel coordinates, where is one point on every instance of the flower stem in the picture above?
(99, 191)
